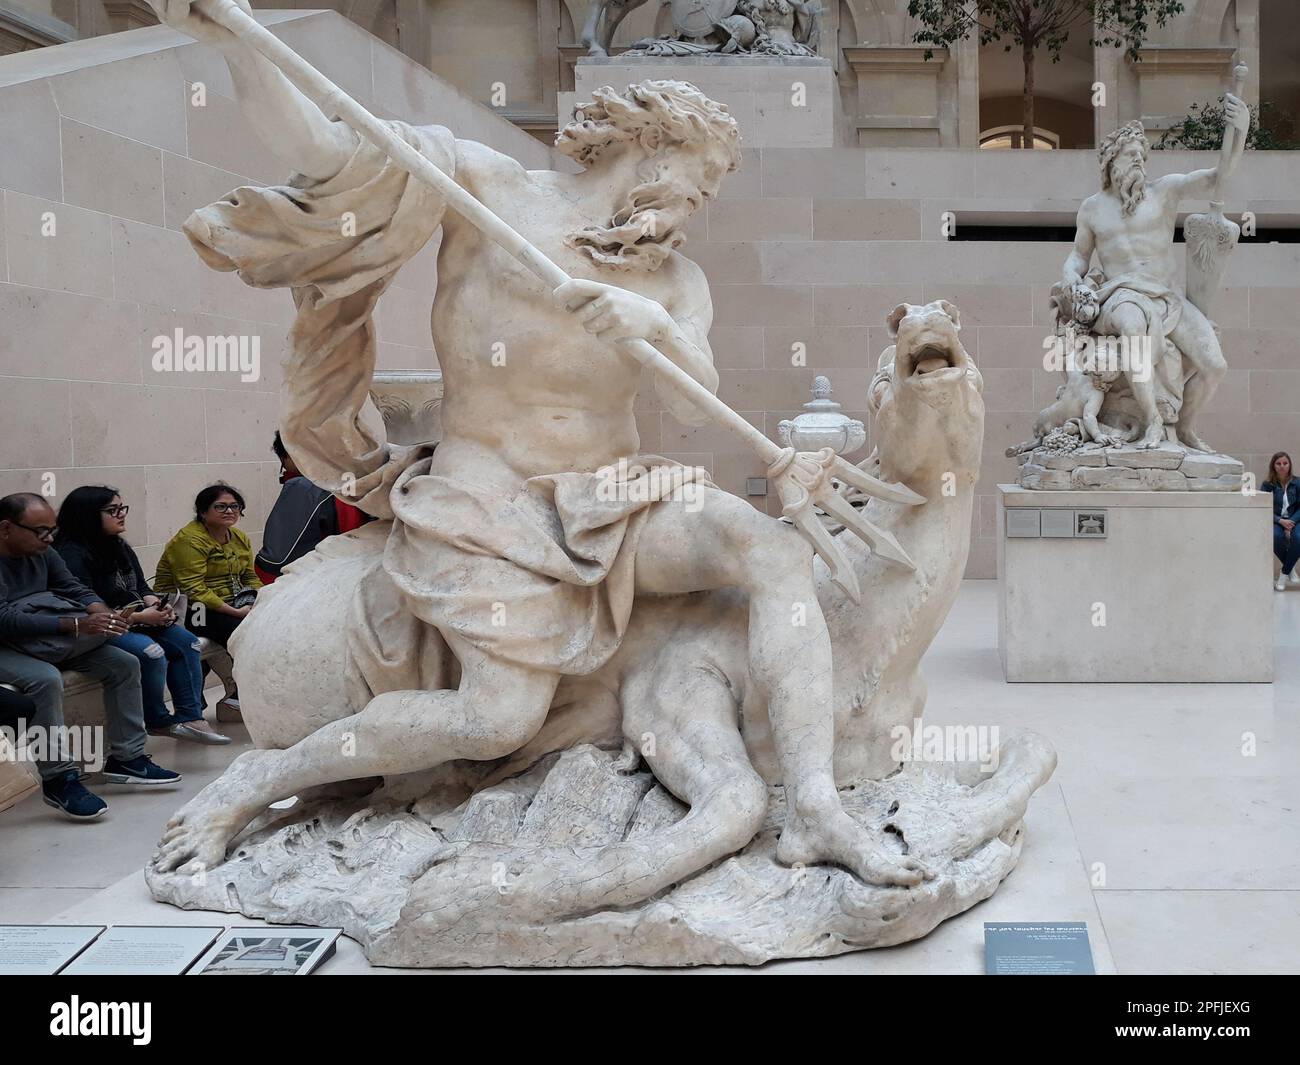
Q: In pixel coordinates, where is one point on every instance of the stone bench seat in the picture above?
(81, 705)
(77, 683)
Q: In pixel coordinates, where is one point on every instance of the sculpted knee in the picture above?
(504, 724)
(745, 800)
(1125, 320)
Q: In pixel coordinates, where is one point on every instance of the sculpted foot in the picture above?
(198, 834)
(1193, 440)
(835, 837)
(1155, 436)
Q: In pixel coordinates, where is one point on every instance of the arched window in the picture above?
(1013, 137)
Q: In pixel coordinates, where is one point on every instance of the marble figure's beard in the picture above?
(642, 232)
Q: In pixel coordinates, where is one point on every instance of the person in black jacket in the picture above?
(90, 540)
(302, 517)
(1286, 512)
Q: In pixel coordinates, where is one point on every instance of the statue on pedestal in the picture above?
(1141, 359)
(705, 27)
(460, 695)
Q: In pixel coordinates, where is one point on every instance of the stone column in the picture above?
(900, 94)
(413, 31)
(968, 92)
(1109, 71)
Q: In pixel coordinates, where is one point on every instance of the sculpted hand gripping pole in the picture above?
(802, 479)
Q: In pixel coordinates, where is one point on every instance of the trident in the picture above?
(803, 478)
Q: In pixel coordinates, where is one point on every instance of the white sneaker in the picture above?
(1295, 576)
(1279, 585)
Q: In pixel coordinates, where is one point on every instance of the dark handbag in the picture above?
(173, 601)
(53, 647)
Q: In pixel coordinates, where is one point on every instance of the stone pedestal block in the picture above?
(1167, 468)
(1133, 586)
(779, 102)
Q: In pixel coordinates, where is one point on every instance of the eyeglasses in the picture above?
(41, 532)
(228, 508)
(119, 511)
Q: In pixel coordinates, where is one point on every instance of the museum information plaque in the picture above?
(1037, 948)
(42, 949)
(139, 950)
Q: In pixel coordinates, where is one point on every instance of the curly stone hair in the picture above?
(1115, 141)
(669, 110)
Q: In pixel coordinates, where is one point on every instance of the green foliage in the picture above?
(1037, 24)
(1201, 129)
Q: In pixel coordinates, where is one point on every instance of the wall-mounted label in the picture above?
(1022, 521)
(1058, 523)
(1090, 524)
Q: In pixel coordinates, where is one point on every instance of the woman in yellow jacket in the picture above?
(211, 562)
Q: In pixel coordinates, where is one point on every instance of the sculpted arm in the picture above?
(1207, 184)
(1076, 264)
(285, 120)
(616, 314)
(687, 344)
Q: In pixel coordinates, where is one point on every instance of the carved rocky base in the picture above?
(422, 884)
(1167, 468)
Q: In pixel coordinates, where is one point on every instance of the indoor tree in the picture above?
(1034, 24)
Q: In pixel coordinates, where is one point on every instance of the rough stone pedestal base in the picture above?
(1167, 468)
(421, 885)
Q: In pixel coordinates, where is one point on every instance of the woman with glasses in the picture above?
(211, 562)
(91, 542)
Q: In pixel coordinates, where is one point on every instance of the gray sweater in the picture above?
(21, 577)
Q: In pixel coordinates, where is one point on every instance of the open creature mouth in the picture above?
(932, 359)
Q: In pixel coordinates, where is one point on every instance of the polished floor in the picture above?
(1172, 825)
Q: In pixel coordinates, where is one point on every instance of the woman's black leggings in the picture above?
(216, 627)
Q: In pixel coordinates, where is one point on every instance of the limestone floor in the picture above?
(1179, 847)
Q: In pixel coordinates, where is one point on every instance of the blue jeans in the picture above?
(43, 684)
(1287, 548)
(169, 660)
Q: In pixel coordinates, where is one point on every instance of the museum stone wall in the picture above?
(103, 140)
(807, 249)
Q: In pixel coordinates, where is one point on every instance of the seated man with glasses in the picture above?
(211, 562)
(49, 621)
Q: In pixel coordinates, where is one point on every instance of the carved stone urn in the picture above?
(411, 404)
(822, 424)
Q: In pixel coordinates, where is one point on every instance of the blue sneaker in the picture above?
(139, 771)
(67, 793)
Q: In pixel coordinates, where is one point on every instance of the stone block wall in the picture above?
(816, 246)
(103, 155)
(805, 245)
